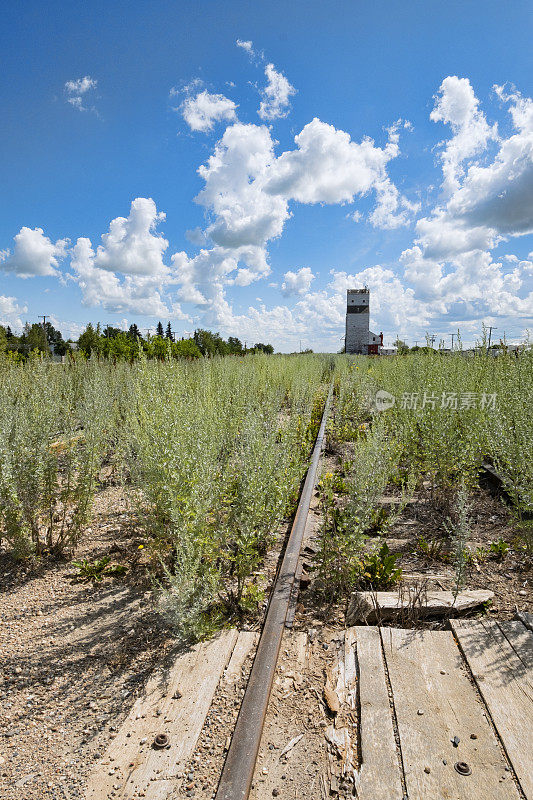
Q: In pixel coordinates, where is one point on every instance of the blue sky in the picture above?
(382, 143)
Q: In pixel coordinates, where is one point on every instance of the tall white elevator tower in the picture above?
(359, 338)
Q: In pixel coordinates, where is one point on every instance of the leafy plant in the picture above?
(379, 570)
(96, 570)
(433, 549)
(498, 549)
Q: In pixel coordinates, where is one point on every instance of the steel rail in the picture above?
(237, 775)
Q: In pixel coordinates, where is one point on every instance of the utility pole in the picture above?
(491, 328)
(43, 317)
(453, 335)
(432, 339)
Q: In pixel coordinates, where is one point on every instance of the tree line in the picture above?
(111, 342)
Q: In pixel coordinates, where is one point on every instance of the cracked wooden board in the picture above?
(500, 655)
(246, 641)
(376, 607)
(175, 702)
(435, 702)
(379, 775)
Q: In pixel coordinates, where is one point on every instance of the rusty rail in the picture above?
(237, 774)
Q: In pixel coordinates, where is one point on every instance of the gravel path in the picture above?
(72, 658)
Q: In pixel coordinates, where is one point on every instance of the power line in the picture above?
(491, 328)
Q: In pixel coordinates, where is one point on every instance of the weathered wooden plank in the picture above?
(350, 668)
(504, 677)
(520, 639)
(299, 644)
(246, 641)
(526, 618)
(175, 703)
(379, 775)
(434, 703)
(375, 607)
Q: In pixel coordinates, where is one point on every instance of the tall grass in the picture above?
(211, 451)
(218, 451)
(447, 415)
(56, 424)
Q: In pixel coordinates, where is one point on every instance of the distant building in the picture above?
(359, 338)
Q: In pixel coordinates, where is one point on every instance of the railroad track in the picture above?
(136, 765)
(238, 772)
(376, 713)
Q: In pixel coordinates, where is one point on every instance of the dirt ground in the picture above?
(418, 536)
(510, 576)
(73, 656)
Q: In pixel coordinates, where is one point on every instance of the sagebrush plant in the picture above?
(55, 423)
(459, 530)
(443, 424)
(218, 450)
(340, 558)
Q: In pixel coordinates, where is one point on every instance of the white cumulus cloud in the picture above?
(456, 105)
(276, 95)
(297, 282)
(131, 294)
(34, 254)
(243, 213)
(77, 90)
(489, 198)
(328, 167)
(500, 194)
(127, 273)
(10, 312)
(133, 246)
(202, 111)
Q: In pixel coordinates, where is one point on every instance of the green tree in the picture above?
(210, 344)
(235, 345)
(3, 339)
(186, 348)
(168, 333)
(89, 341)
(401, 347)
(158, 347)
(120, 346)
(134, 332)
(35, 338)
(110, 332)
(159, 330)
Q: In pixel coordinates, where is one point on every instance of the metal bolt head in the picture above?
(462, 768)
(161, 740)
